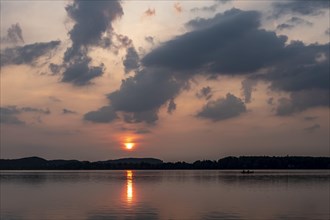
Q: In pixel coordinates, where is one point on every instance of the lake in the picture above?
(173, 194)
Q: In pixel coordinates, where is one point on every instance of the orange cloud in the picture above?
(177, 7)
(150, 12)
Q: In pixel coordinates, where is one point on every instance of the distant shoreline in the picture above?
(227, 163)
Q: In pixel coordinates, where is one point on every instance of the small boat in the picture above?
(247, 171)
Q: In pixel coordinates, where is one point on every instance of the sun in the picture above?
(129, 146)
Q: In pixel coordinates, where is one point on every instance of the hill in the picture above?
(244, 162)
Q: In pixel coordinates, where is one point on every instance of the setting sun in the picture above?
(129, 146)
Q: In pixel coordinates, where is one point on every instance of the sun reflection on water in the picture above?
(129, 189)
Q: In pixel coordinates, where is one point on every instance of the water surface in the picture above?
(182, 195)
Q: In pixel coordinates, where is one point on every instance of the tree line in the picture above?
(243, 162)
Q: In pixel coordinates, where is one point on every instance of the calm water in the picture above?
(179, 195)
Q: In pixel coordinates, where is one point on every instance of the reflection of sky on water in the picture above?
(160, 195)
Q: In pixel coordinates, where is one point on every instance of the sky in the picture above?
(180, 80)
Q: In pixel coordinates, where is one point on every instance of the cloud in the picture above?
(177, 7)
(327, 31)
(93, 20)
(141, 96)
(230, 43)
(302, 100)
(211, 8)
(14, 34)
(248, 85)
(131, 61)
(142, 131)
(312, 128)
(171, 106)
(105, 114)
(36, 110)
(68, 111)
(223, 108)
(148, 89)
(123, 40)
(27, 54)
(303, 72)
(54, 99)
(300, 7)
(9, 114)
(299, 21)
(150, 40)
(310, 118)
(55, 68)
(284, 26)
(270, 101)
(146, 92)
(149, 117)
(205, 92)
(292, 22)
(80, 72)
(150, 12)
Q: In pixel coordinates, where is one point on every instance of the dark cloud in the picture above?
(131, 61)
(312, 128)
(36, 110)
(141, 96)
(248, 86)
(150, 40)
(310, 118)
(300, 7)
(149, 117)
(270, 101)
(230, 43)
(149, 89)
(302, 100)
(9, 114)
(304, 74)
(93, 19)
(223, 108)
(205, 92)
(142, 131)
(327, 31)
(80, 72)
(14, 34)
(105, 114)
(150, 12)
(211, 8)
(54, 68)
(301, 68)
(123, 41)
(284, 26)
(68, 111)
(171, 106)
(299, 21)
(292, 22)
(120, 41)
(27, 54)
